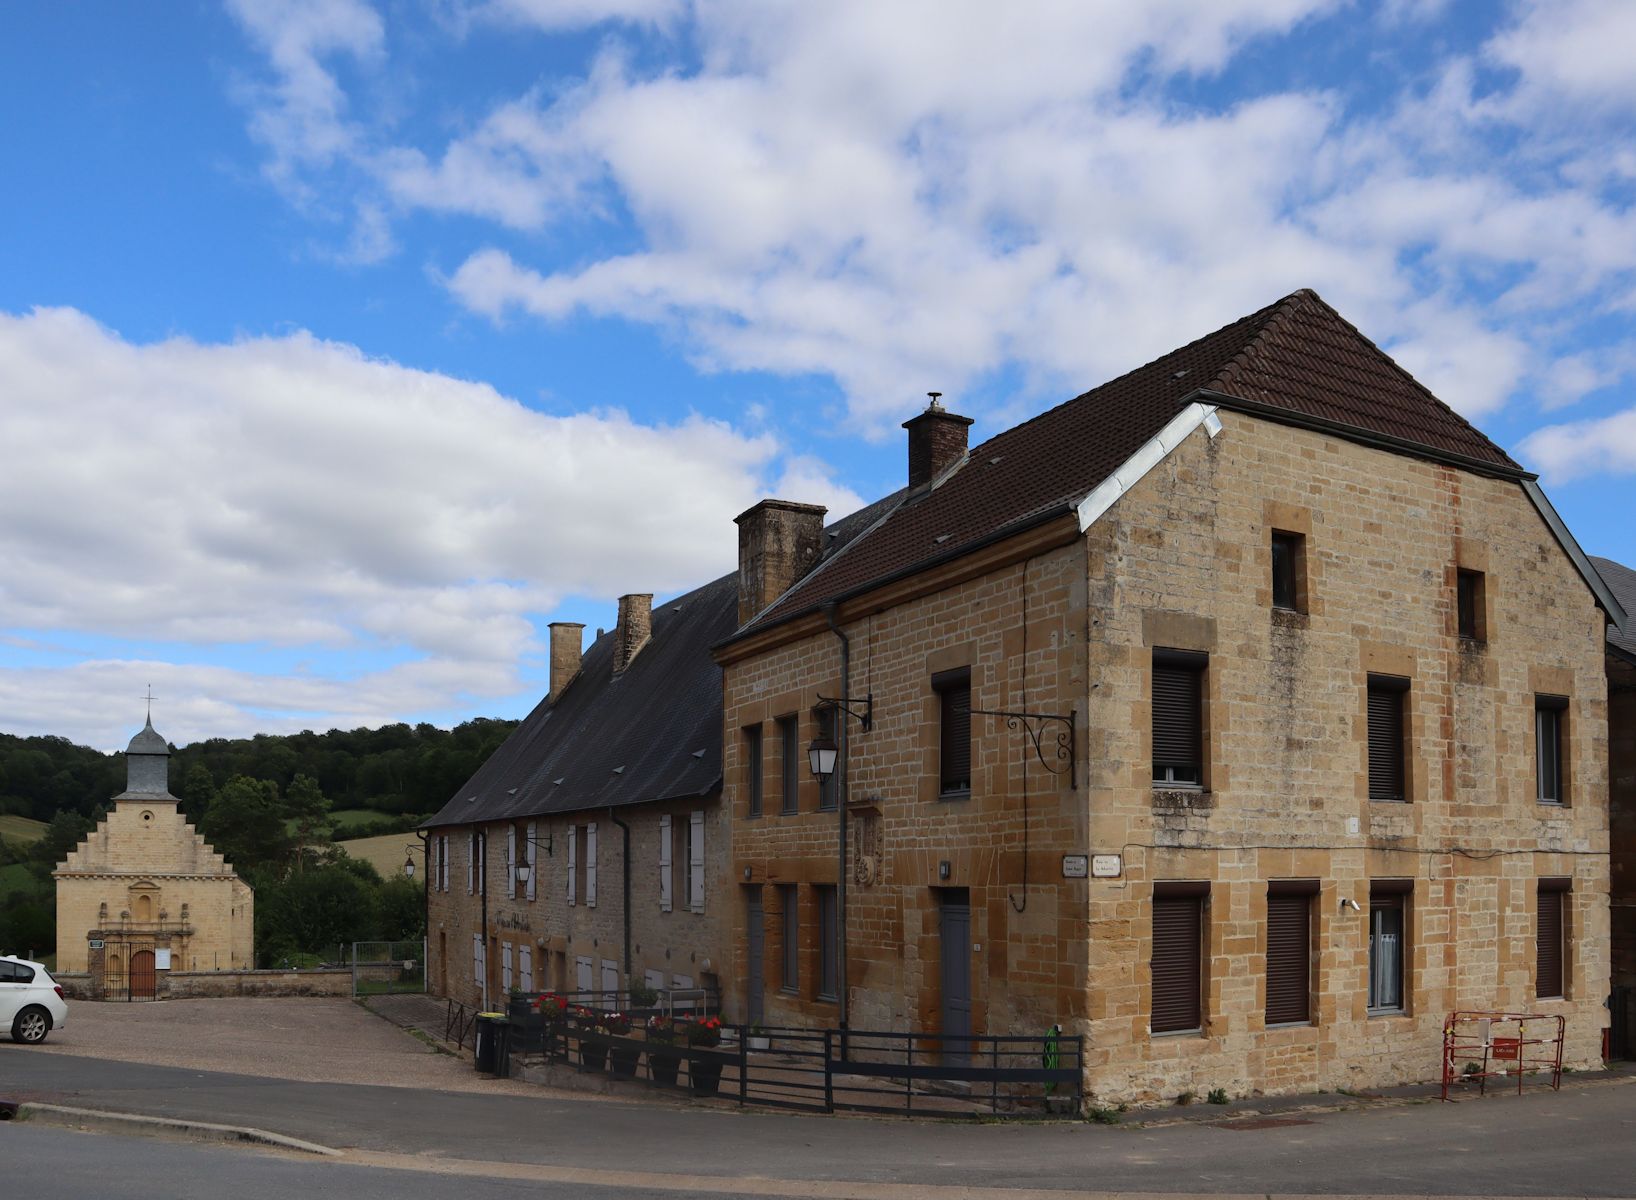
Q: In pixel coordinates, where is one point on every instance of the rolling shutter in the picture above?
(1548, 973)
(1178, 737)
(1289, 958)
(1386, 739)
(955, 702)
(1178, 943)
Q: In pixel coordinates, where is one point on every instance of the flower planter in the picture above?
(622, 1063)
(663, 1066)
(591, 1057)
(758, 1043)
(703, 1078)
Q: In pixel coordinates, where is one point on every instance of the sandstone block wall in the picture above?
(1622, 791)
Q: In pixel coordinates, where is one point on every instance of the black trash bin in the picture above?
(491, 1028)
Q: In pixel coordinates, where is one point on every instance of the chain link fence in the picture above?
(388, 968)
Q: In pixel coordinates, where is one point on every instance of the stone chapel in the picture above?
(144, 895)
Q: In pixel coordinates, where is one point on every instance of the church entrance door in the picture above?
(144, 980)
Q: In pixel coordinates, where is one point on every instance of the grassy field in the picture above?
(387, 853)
(21, 829)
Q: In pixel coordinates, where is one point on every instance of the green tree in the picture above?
(315, 910)
(402, 909)
(198, 792)
(66, 831)
(247, 826)
(308, 814)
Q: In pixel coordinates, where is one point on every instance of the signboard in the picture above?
(96, 943)
(161, 960)
(1075, 866)
(1106, 866)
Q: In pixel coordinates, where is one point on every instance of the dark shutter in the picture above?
(1548, 935)
(790, 750)
(752, 767)
(1178, 741)
(1289, 959)
(1467, 589)
(955, 698)
(1178, 943)
(1386, 740)
(1284, 550)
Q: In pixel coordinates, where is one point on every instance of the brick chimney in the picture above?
(778, 541)
(566, 640)
(937, 438)
(635, 625)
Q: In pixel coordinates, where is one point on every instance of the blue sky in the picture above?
(344, 344)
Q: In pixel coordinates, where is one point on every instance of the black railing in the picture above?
(818, 1070)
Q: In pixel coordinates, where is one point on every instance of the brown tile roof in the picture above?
(1297, 359)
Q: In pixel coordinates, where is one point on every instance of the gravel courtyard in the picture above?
(305, 1039)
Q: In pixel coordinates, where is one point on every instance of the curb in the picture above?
(118, 1122)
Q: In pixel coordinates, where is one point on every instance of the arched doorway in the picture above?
(144, 979)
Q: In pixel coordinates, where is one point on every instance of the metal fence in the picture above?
(818, 1070)
(387, 968)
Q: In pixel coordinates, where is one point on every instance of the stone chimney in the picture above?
(937, 439)
(778, 541)
(567, 638)
(635, 625)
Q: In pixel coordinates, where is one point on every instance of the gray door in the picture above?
(755, 971)
(955, 927)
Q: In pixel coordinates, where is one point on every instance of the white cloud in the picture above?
(1571, 52)
(1605, 445)
(290, 492)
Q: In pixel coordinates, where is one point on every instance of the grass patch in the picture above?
(386, 853)
(21, 830)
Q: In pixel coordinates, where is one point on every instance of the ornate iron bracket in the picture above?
(865, 718)
(1036, 725)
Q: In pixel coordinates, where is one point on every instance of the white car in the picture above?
(31, 1003)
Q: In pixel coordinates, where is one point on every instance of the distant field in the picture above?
(351, 818)
(21, 829)
(387, 853)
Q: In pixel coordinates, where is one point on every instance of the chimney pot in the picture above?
(937, 440)
(567, 641)
(778, 541)
(634, 627)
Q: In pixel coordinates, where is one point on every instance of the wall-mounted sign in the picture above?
(96, 943)
(513, 921)
(1075, 866)
(161, 960)
(1106, 866)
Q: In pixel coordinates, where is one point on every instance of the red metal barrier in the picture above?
(1479, 1046)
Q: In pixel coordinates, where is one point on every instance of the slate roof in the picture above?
(1622, 580)
(1297, 359)
(652, 734)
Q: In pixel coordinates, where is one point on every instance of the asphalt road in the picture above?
(1581, 1141)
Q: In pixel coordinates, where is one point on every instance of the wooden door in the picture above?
(754, 1001)
(144, 979)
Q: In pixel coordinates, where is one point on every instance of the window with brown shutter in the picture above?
(953, 690)
(1178, 718)
(1289, 951)
(1550, 939)
(1387, 754)
(1177, 1004)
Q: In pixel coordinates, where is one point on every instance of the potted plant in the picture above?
(703, 1072)
(621, 1058)
(663, 1060)
(756, 1038)
(552, 1007)
(643, 996)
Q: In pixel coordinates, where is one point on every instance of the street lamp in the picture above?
(524, 868)
(408, 862)
(821, 756)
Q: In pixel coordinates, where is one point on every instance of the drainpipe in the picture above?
(842, 742)
(483, 892)
(626, 831)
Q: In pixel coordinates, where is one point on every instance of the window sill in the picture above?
(794, 993)
(1388, 800)
(958, 794)
(1177, 1033)
(1551, 803)
(1309, 1023)
(1376, 1014)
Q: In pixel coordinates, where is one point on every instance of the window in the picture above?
(1550, 936)
(1288, 570)
(1386, 750)
(790, 937)
(1289, 951)
(1178, 951)
(1178, 718)
(953, 690)
(752, 768)
(1470, 605)
(1388, 944)
(827, 788)
(1550, 715)
(828, 974)
(789, 740)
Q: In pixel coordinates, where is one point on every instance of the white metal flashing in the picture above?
(1150, 455)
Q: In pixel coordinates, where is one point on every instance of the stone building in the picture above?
(1244, 715)
(1621, 659)
(144, 894)
(610, 793)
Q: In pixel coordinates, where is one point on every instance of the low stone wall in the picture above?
(187, 985)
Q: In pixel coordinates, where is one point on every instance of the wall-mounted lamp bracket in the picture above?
(1061, 756)
(862, 711)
